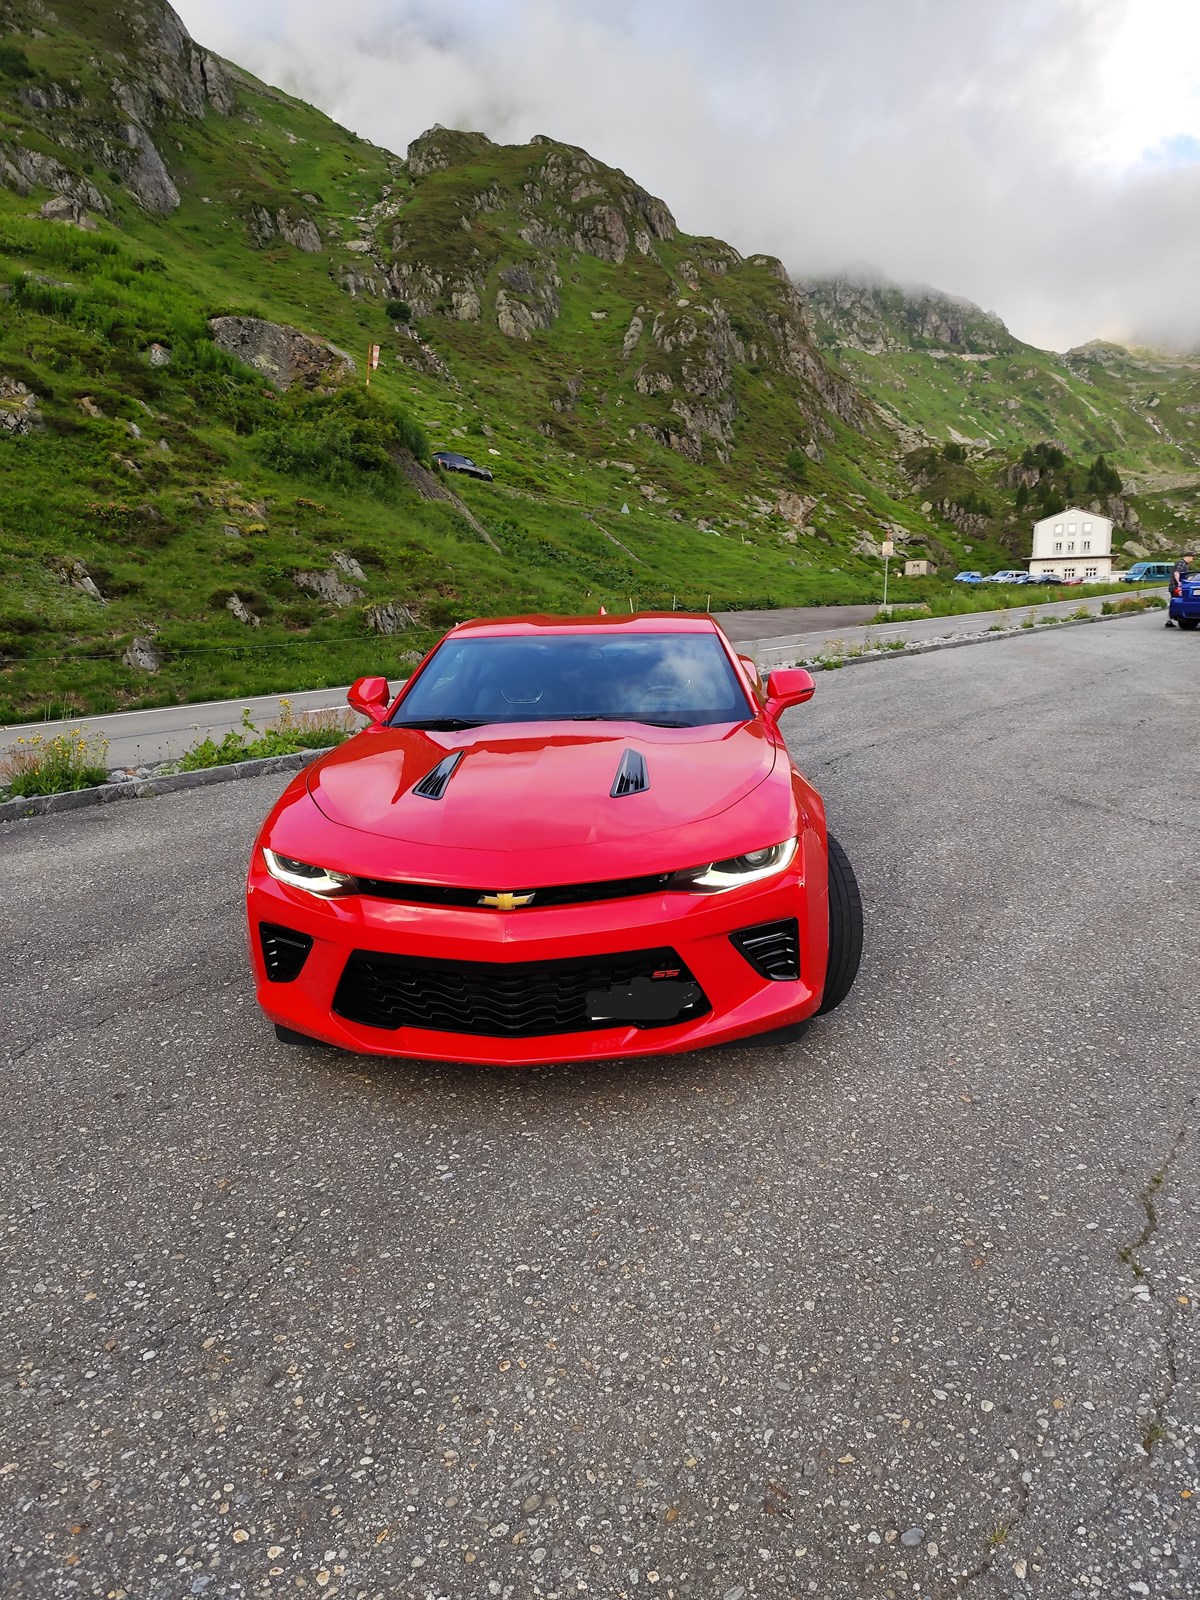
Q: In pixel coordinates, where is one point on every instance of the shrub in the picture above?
(348, 439)
(285, 735)
(398, 311)
(72, 760)
(797, 464)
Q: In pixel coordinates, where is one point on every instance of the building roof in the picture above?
(1074, 511)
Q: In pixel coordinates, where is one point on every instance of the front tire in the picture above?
(845, 929)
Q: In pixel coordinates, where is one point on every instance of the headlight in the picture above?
(301, 875)
(735, 871)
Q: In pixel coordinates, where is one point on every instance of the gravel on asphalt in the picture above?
(906, 1308)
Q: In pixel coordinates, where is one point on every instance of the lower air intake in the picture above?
(513, 1000)
(284, 951)
(772, 948)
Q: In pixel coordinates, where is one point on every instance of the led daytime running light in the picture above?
(735, 871)
(302, 875)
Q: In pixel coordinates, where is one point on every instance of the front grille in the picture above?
(558, 894)
(509, 1000)
(771, 948)
(284, 951)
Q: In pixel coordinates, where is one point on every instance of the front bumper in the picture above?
(738, 1000)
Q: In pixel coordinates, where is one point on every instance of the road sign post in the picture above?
(888, 550)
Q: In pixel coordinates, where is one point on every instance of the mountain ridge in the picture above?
(208, 499)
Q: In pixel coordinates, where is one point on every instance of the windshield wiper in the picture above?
(629, 716)
(443, 724)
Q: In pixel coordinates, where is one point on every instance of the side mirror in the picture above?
(370, 697)
(788, 686)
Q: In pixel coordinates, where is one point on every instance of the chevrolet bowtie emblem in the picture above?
(505, 901)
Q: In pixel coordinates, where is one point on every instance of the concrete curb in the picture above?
(145, 788)
(925, 647)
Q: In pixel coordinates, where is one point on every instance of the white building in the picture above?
(1073, 544)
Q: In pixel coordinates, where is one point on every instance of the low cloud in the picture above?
(1041, 157)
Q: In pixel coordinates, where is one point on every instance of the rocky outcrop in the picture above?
(240, 612)
(25, 170)
(329, 586)
(523, 305)
(391, 617)
(876, 316)
(298, 230)
(146, 175)
(141, 655)
(65, 208)
(19, 414)
(438, 148)
(282, 353)
(80, 579)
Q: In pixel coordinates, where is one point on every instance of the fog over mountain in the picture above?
(1041, 157)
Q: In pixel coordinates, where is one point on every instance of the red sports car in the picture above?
(566, 839)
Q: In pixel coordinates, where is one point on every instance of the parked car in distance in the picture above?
(1044, 577)
(1147, 572)
(451, 461)
(1185, 603)
(1008, 575)
(968, 577)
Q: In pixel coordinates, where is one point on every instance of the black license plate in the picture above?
(643, 1000)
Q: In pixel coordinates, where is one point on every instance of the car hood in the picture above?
(517, 790)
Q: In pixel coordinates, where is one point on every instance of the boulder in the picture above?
(349, 566)
(78, 576)
(300, 232)
(238, 609)
(66, 208)
(329, 587)
(141, 656)
(281, 353)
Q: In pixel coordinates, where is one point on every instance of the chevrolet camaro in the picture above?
(565, 839)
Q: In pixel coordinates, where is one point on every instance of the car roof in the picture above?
(637, 622)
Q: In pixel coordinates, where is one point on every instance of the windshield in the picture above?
(674, 680)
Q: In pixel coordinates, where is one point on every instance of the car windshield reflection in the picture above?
(672, 680)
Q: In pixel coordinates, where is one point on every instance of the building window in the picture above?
(1058, 547)
(1087, 527)
(1071, 547)
(1068, 572)
(1058, 527)
(1071, 527)
(1087, 544)
(1089, 572)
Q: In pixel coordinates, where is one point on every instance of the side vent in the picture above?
(284, 951)
(772, 948)
(433, 785)
(632, 777)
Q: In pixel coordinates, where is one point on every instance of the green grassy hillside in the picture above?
(661, 427)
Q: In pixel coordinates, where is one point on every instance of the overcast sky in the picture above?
(1041, 157)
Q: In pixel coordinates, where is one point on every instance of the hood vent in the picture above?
(632, 777)
(433, 785)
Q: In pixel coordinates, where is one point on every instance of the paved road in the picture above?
(138, 738)
(906, 1309)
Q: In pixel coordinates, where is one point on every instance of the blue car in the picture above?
(968, 577)
(1185, 603)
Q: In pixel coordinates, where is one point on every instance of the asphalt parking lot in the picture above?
(907, 1308)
